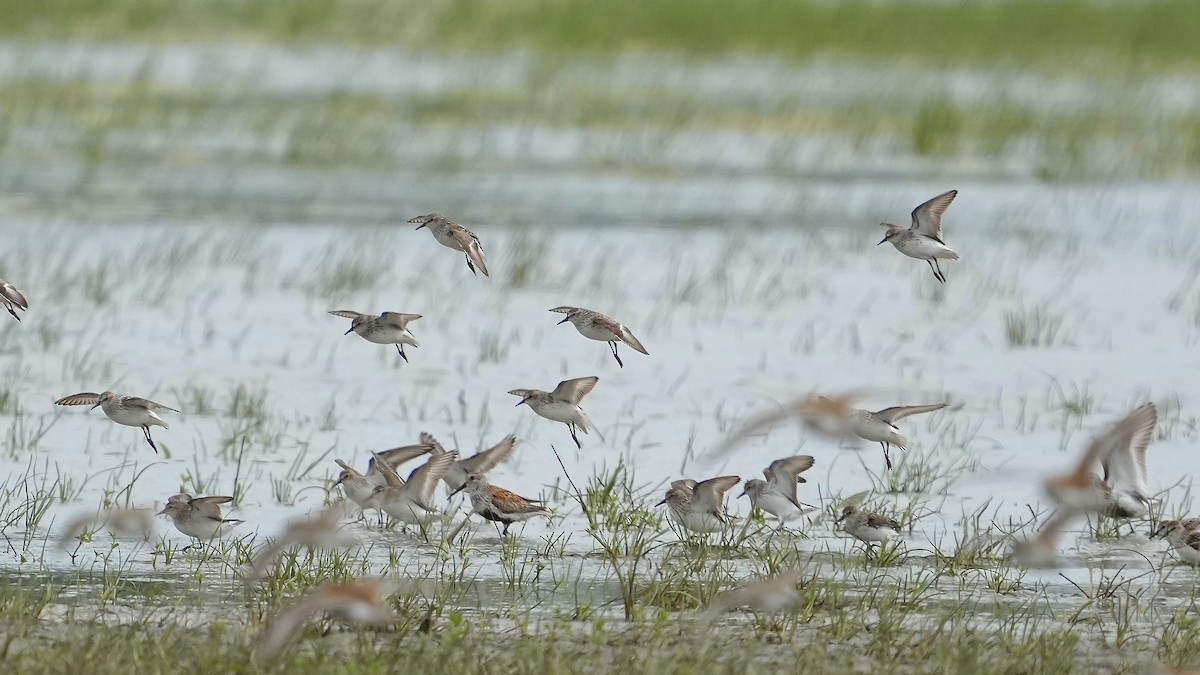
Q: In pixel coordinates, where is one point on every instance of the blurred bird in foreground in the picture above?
(771, 595)
(121, 522)
(325, 530)
(359, 602)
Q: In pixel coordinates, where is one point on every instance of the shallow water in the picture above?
(207, 284)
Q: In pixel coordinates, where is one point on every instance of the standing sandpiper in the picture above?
(198, 517)
(700, 507)
(596, 326)
(389, 328)
(868, 527)
(499, 505)
(562, 404)
(452, 235)
(12, 299)
(130, 411)
(923, 240)
(777, 494)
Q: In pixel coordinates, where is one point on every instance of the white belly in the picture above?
(595, 332)
(446, 239)
(564, 412)
(388, 335)
(135, 417)
(777, 505)
(407, 511)
(697, 521)
(924, 248)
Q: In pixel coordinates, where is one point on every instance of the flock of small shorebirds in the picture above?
(696, 506)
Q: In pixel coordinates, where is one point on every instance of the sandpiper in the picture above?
(777, 494)
(596, 326)
(867, 526)
(562, 404)
(771, 594)
(879, 426)
(357, 601)
(389, 328)
(828, 417)
(479, 463)
(700, 507)
(1121, 451)
(198, 517)
(357, 487)
(499, 505)
(1183, 536)
(122, 522)
(923, 240)
(452, 235)
(411, 501)
(12, 299)
(130, 411)
(324, 530)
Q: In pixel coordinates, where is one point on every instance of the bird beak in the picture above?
(422, 225)
(95, 406)
(337, 482)
(349, 330)
(458, 490)
(565, 319)
(840, 519)
(163, 511)
(742, 495)
(661, 503)
(519, 402)
(881, 241)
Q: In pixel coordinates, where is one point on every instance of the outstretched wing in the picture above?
(425, 478)
(1123, 452)
(397, 319)
(785, 473)
(145, 403)
(573, 391)
(893, 414)
(483, 462)
(713, 491)
(405, 453)
(85, 398)
(927, 218)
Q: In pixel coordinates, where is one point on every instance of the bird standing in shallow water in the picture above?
(700, 507)
(198, 517)
(499, 505)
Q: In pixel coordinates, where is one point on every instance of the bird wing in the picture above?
(827, 416)
(397, 319)
(1123, 451)
(564, 309)
(85, 398)
(785, 473)
(573, 391)
(880, 520)
(713, 491)
(390, 477)
(405, 453)
(210, 507)
(483, 462)
(145, 403)
(513, 502)
(14, 296)
(927, 218)
(425, 478)
(346, 313)
(471, 246)
(896, 413)
(617, 328)
(684, 483)
(290, 620)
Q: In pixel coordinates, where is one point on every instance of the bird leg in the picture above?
(936, 275)
(887, 457)
(571, 427)
(505, 532)
(613, 346)
(402, 354)
(146, 433)
(939, 270)
(470, 264)
(9, 307)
